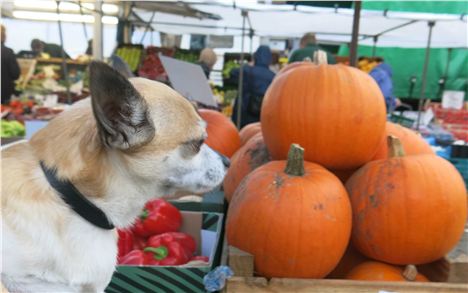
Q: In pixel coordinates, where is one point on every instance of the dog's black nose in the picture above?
(226, 161)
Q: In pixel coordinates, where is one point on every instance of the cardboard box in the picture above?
(211, 202)
(206, 228)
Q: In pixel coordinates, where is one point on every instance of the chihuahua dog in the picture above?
(132, 141)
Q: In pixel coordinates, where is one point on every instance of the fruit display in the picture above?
(130, 54)
(228, 67)
(336, 112)
(187, 56)
(293, 216)
(223, 136)
(152, 68)
(12, 129)
(154, 239)
(377, 271)
(395, 197)
(249, 157)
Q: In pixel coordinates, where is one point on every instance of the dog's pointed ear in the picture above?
(121, 113)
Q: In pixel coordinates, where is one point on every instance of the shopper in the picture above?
(256, 80)
(382, 73)
(53, 50)
(10, 69)
(308, 46)
(207, 60)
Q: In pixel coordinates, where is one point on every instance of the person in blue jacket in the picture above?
(256, 80)
(382, 73)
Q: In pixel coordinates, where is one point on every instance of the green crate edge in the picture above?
(213, 202)
(169, 279)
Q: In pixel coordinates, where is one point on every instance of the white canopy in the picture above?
(400, 29)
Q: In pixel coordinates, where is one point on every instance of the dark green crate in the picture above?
(213, 202)
(133, 279)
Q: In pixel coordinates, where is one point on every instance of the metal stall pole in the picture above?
(83, 23)
(355, 34)
(443, 79)
(374, 47)
(424, 73)
(241, 72)
(147, 26)
(64, 59)
(97, 29)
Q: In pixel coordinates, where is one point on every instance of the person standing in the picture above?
(382, 74)
(207, 60)
(256, 80)
(10, 69)
(53, 50)
(308, 46)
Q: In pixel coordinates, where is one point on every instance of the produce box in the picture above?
(449, 274)
(206, 230)
(210, 202)
(130, 53)
(462, 166)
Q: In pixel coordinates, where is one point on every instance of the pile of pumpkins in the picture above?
(324, 186)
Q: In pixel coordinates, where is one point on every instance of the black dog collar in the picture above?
(78, 203)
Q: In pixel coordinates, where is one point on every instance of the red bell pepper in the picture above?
(200, 258)
(139, 242)
(125, 242)
(135, 257)
(157, 217)
(170, 249)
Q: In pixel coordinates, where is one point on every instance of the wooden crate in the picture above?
(449, 274)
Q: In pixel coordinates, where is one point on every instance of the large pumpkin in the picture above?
(336, 112)
(250, 156)
(413, 143)
(407, 209)
(377, 271)
(350, 259)
(223, 136)
(294, 217)
(248, 131)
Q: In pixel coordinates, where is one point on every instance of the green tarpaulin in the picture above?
(409, 62)
(450, 7)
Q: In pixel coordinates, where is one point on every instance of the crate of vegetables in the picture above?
(167, 250)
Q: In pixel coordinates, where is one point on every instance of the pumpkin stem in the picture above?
(295, 163)
(395, 148)
(320, 57)
(410, 272)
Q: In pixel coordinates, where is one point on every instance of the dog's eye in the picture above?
(195, 145)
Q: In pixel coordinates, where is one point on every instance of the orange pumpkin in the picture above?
(351, 258)
(248, 131)
(292, 66)
(413, 143)
(294, 217)
(223, 136)
(407, 209)
(336, 112)
(250, 156)
(377, 271)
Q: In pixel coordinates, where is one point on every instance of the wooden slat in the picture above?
(241, 263)
(256, 285)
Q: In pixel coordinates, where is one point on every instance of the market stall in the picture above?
(328, 192)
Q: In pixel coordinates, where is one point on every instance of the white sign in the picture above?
(189, 80)
(453, 99)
